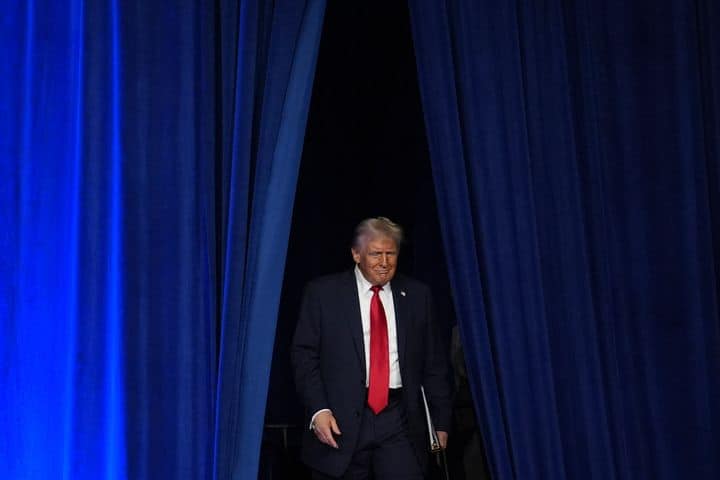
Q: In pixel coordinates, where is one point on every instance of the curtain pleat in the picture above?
(269, 126)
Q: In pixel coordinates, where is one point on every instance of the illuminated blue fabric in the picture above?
(148, 161)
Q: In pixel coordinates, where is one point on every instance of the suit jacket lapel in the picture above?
(400, 302)
(354, 319)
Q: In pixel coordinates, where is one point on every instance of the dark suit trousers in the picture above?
(383, 451)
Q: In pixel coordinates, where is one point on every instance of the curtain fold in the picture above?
(271, 106)
(149, 155)
(574, 152)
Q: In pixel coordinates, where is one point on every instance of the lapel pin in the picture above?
(402, 293)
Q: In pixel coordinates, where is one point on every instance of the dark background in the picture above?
(365, 154)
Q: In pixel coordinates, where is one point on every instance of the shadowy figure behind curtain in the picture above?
(575, 156)
(149, 155)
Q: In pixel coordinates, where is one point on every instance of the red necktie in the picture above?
(379, 355)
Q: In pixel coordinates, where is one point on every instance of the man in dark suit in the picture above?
(364, 345)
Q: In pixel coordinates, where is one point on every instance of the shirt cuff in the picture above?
(312, 420)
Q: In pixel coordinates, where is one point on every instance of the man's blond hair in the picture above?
(371, 228)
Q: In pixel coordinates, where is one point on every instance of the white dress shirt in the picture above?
(386, 297)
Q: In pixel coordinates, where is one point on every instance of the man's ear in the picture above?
(355, 255)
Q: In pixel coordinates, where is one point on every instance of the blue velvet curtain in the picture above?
(575, 156)
(278, 49)
(148, 160)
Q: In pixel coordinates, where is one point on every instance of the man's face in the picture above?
(377, 259)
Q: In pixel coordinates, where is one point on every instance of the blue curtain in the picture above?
(148, 160)
(575, 158)
(276, 57)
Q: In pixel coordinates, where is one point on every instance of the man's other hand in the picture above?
(442, 438)
(325, 426)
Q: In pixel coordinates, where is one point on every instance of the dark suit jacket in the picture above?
(329, 362)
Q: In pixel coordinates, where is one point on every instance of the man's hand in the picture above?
(442, 438)
(324, 427)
